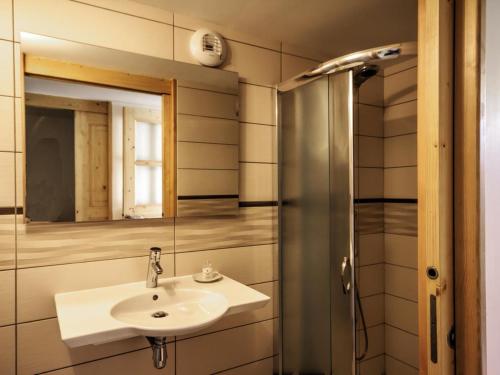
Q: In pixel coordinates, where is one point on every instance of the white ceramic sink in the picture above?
(182, 306)
(164, 312)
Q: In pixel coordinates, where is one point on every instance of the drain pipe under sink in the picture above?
(159, 347)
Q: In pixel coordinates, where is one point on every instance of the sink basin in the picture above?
(165, 312)
(177, 306)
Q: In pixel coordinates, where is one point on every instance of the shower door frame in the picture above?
(341, 159)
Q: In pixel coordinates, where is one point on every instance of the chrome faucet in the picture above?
(154, 268)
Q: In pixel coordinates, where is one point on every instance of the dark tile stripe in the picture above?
(259, 204)
(190, 197)
(11, 210)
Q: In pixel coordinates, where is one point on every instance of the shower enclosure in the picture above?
(317, 117)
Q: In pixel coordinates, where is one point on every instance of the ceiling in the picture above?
(331, 27)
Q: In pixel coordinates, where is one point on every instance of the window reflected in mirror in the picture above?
(93, 153)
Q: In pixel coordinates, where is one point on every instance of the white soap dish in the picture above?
(207, 278)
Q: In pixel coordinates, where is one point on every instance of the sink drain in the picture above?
(159, 314)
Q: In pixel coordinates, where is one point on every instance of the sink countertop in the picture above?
(85, 316)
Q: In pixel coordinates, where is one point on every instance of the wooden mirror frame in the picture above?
(55, 69)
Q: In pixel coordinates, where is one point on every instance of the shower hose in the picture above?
(363, 322)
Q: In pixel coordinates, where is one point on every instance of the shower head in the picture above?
(364, 73)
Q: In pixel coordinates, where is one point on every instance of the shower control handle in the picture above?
(345, 275)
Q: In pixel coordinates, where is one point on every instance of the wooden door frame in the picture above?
(448, 174)
(49, 68)
(467, 187)
(435, 181)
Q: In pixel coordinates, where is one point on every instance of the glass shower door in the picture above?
(316, 226)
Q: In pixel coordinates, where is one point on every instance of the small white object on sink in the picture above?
(177, 306)
(207, 274)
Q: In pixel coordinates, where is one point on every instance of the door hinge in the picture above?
(451, 337)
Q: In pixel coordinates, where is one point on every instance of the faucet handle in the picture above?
(155, 249)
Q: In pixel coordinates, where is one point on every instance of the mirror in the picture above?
(80, 141)
(112, 135)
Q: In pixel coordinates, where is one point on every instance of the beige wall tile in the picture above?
(19, 125)
(395, 367)
(258, 182)
(276, 261)
(37, 286)
(400, 151)
(372, 91)
(293, 65)
(400, 87)
(40, 348)
(257, 104)
(370, 217)
(207, 207)
(370, 249)
(6, 68)
(401, 345)
(401, 218)
(401, 282)
(372, 366)
(401, 313)
(373, 309)
(401, 250)
(400, 182)
(7, 188)
(192, 24)
(207, 156)
(207, 182)
(108, 27)
(7, 297)
(376, 342)
(7, 242)
(253, 64)
(7, 123)
(399, 65)
(51, 243)
(370, 120)
(247, 317)
(207, 129)
(400, 119)
(19, 179)
(18, 79)
(182, 38)
(226, 349)
(370, 152)
(258, 143)
(370, 183)
(371, 280)
(206, 103)
(137, 362)
(8, 352)
(248, 265)
(6, 19)
(253, 226)
(135, 9)
(263, 367)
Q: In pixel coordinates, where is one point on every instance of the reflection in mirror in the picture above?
(92, 153)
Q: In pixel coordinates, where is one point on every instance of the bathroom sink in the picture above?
(166, 312)
(177, 306)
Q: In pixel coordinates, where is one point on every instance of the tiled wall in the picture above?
(243, 247)
(387, 220)
(369, 185)
(400, 239)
